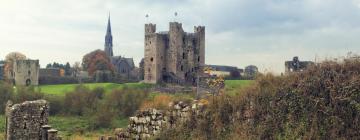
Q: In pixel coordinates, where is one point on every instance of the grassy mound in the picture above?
(322, 102)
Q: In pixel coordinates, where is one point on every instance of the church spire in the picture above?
(108, 40)
(108, 31)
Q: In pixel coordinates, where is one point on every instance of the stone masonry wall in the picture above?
(26, 72)
(28, 121)
(150, 122)
(173, 56)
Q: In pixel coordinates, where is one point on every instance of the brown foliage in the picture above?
(10, 60)
(159, 102)
(97, 60)
(322, 102)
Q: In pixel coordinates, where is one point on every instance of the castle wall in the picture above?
(26, 72)
(176, 53)
(200, 45)
(24, 121)
(154, 54)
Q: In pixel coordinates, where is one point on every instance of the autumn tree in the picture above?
(97, 60)
(10, 60)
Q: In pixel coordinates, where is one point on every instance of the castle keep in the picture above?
(173, 56)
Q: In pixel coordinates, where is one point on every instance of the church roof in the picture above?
(117, 59)
(130, 61)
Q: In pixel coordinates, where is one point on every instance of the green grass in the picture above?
(70, 126)
(73, 127)
(64, 88)
(230, 86)
(233, 86)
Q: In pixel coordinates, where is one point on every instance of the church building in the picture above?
(124, 66)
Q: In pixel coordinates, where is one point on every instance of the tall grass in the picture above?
(322, 102)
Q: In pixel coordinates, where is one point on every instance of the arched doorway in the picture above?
(28, 82)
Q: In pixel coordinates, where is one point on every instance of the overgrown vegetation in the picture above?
(322, 102)
(98, 108)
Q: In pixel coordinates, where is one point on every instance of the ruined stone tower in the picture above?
(108, 40)
(25, 72)
(173, 56)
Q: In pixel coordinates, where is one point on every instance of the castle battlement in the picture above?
(175, 55)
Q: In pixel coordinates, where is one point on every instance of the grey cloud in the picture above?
(260, 32)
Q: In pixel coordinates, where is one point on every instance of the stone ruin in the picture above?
(296, 65)
(173, 56)
(150, 122)
(28, 121)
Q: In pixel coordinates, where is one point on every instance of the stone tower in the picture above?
(173, 56)
(108, 40)
(25, 72)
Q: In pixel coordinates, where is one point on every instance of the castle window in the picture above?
(198, 58)
(151, 59)
(183, 55)
(150, 42)
(182, 68)
(29, 72)
(149, 70)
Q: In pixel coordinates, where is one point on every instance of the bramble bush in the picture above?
(322, 102)
(126, 101)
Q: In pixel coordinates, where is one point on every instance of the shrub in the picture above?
(23, 94)
(103, 117)
(82, 100)
(322, 102)
(56, 104)
(159, 102)
(6, 92)
(126, 101)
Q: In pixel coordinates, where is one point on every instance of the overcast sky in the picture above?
(238, 32)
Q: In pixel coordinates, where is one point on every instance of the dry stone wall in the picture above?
(28, 121)
(150, 122)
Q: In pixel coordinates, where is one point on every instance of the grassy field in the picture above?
(232, 87)
(62, 89)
